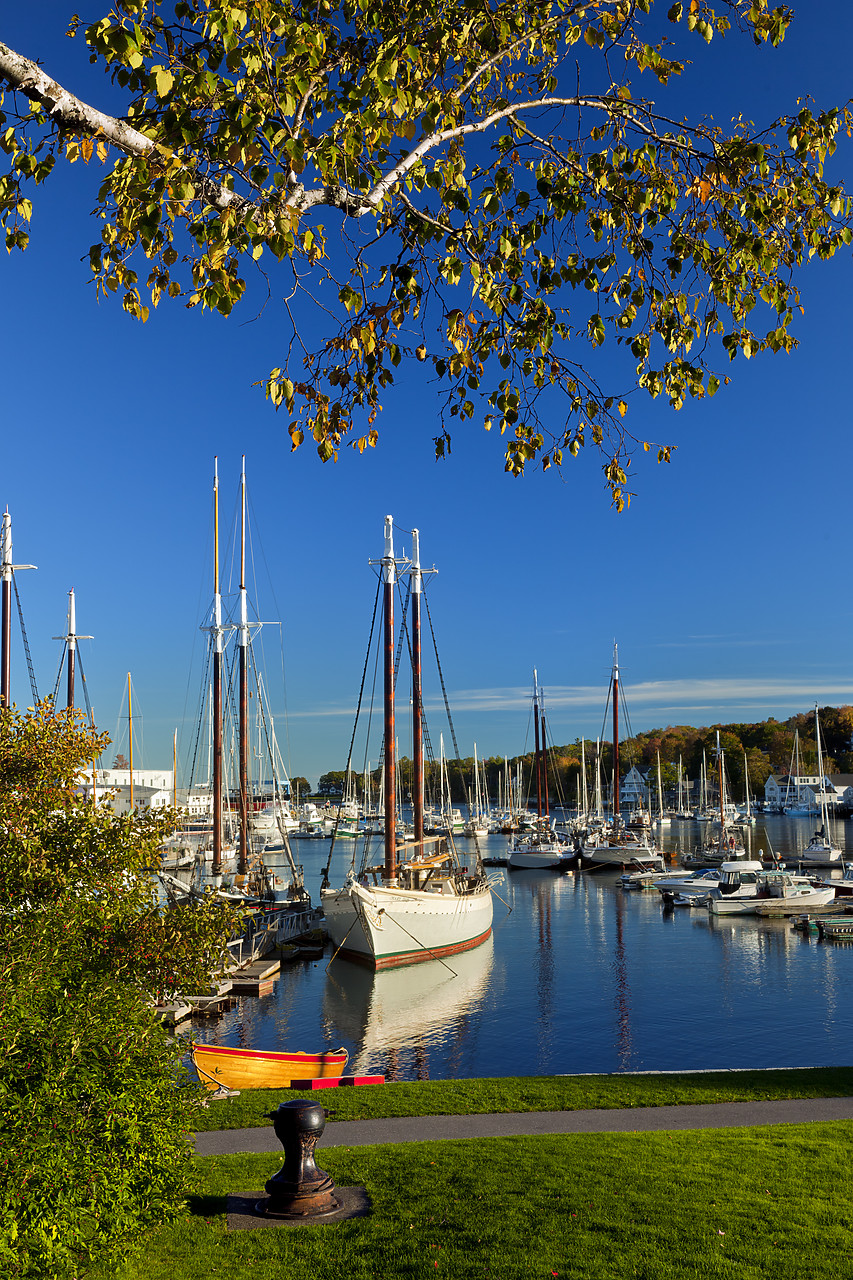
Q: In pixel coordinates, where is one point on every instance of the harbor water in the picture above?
(579, 976)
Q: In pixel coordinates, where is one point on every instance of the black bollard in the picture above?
(299, 1190)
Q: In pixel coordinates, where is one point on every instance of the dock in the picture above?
(255, 978)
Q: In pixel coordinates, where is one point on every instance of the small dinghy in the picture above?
(223, 1068)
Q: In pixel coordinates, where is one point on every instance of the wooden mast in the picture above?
(243, 643)
(217, 685)
(536, 757)
(545, 805)
(615, 740)
(417, 700)
(389, 575)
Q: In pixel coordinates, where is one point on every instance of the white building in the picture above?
(152, 788)
(633, 793)
(803, 791)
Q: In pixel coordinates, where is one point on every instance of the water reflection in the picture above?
(398, 1019)
(579, 976)
(622, 990)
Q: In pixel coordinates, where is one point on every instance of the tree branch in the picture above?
(70, 114)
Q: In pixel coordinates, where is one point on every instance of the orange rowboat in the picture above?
(219, 1067)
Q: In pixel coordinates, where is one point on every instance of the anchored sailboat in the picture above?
(540, 849)
(426, 906)
(820, 850)
(618, 845)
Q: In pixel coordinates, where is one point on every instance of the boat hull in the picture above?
(220, 1066)
(386, 927)
(539, 860)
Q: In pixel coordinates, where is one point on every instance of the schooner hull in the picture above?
(386, 928)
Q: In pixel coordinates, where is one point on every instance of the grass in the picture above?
(535, 1093)
(747, 1204)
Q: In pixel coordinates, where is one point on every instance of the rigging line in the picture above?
(365, 849)
(398, 655)
(29, 657)
(499, 898)
(356, 921)
(296, 875)
(434, 954)
(85, 689)
(55, 693)
(325, 881)
(250, 527)
(444, 690)
(351, 781)
(205, 685)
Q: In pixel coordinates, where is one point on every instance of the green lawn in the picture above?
(535, 1093)
(746, 1204)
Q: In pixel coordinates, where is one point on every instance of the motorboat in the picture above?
(644, 876)
(701, 885)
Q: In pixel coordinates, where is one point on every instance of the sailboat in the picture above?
(820, 850)
(244, 815)
(745, 818)
(617, 846)
(421, 905)
(663, 817)
(728, 845)
(797, 806)
(540, 849)
(478, 823)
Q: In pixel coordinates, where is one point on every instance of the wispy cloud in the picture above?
(663, 696)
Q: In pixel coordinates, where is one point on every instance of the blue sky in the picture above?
(726, 584)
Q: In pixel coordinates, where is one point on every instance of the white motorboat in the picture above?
(703, 883)
(738, 887)
(645, 876)
(791, 895)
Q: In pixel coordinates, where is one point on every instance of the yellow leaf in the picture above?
(623, 409)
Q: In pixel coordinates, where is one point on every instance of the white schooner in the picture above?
(422, 904)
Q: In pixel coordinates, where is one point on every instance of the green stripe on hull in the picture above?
(397, 959)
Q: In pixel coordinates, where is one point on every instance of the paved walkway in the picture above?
(360, 1133)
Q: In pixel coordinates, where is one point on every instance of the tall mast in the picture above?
(389, 575)
(537, 759)
(243, 642)
(71, 638)
(417, 698)
(823, 810)
(545, 800)
(720, 783)
(660, 791)
(72, 648)
(6, 571)
(615, 740)
(130, 736)
(218, 645)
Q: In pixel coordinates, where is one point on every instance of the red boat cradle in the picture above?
(332, 1082)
